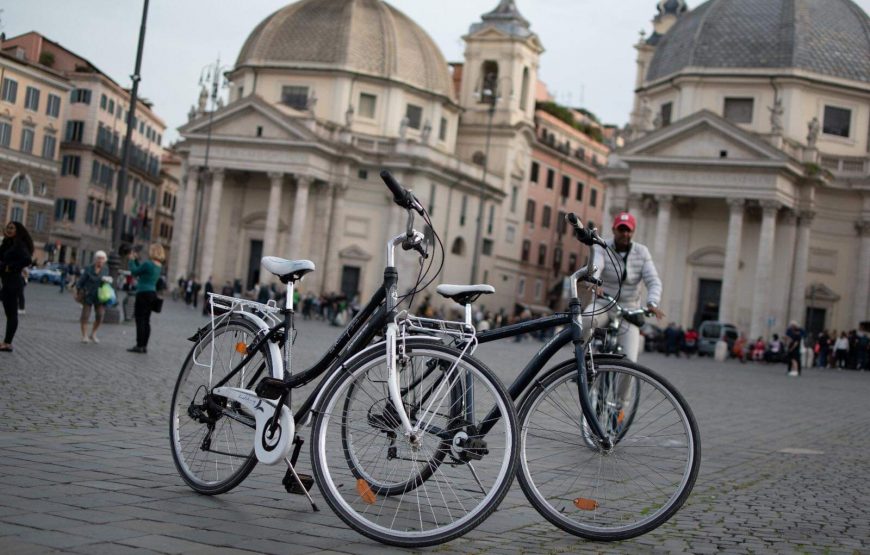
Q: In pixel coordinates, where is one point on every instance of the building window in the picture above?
(70, 165)
(491, 218)
(572, 262)
(74, 131)
(27, 140)
(367, 103)
(414, 115)
(486, 247)
(431, 203)
(82, 96)
(738, 110)
(463, 209)
(666, 110)
(489, 82)
(52, 106)
(10, 90)
(39, 223)
(524, 90)
(95, 171)
(837, 121)
(442, 130)
(104, 102)
(530, 212)
(31, 99)
(89, 212)
(566, 186)
(17, 214)
(539, 289)
(49, 143)
(593, 196)
(527, 250)
(510, 234)
(545, 216)
(521, 287)
(557, 258)
(551, 178)
(579, 195)
(536, 169)
(111, 108)
(458, 246)
(20, 185)
(65, 209)
(561, 224)
(5, 134)
(514, 194)
(542, 254)
(295, 97)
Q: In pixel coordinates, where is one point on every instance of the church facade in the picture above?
(323, 95)
(748, 164)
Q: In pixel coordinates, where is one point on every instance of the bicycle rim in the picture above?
(412, 496)
(615, 495)
(212, 444)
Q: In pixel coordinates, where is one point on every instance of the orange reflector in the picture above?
(365, 491)
(621, 416)
(586, 504)
(241, 348)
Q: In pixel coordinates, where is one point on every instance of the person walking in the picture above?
(209, 288)
(633, 265)
(147, 272)
(89, 284)
(16, 254)
(795, 336)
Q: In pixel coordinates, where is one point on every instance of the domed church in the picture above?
(748, 164)
(323, 95)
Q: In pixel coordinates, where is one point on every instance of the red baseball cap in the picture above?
(626, 219)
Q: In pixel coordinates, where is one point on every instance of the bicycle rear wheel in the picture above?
(409, 494)
(213, 438)
(608, 495)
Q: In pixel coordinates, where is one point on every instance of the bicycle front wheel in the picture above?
(212, 437)
(614, 494)
(421, 490)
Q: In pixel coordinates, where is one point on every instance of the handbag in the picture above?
(80, 295)
(157, 304)
(106, 294)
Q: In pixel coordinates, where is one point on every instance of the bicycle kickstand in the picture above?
(295, 483)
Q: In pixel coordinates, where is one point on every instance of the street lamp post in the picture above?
(491, 96)
(113, 315)
(211, 75)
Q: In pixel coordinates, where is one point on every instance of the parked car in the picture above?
(653, 338)
(46, 274)
(711, 332)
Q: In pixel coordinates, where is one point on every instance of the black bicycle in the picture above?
(609, 450)
(396, 446)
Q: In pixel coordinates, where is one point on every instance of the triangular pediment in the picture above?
(703, 135)
(251, 117)
(354, 252)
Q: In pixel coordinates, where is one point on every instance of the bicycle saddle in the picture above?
(464, 294)
(287, 270)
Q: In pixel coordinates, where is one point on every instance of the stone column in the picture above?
(211, 225)
(176, 266)
(188, 211)
(728, 300)
(300, 210)
(331, 273)
(862, 275)
(798, 304)
(663, 226)
(761, 286)
(273, 213)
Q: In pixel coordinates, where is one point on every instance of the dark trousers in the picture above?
(142, 312)
(10, 307)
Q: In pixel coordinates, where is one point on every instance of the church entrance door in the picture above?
(709, 293)
(253, 277)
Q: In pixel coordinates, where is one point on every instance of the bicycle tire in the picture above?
(208, 470)
(396, 518)
(582, 506)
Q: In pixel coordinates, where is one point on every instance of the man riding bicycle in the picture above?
(633, 264)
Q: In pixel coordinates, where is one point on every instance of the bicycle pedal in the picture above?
(292, 486)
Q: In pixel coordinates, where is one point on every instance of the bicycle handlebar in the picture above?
(401, 196)
(588, 236)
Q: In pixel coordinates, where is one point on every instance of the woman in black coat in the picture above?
(16, 253)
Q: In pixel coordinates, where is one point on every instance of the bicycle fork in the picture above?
(601, 436)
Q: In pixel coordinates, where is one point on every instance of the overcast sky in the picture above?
(589, 59)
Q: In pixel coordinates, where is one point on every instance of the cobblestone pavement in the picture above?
(86, 466)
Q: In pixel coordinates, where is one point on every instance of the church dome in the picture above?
(827, 37)
(367, 37)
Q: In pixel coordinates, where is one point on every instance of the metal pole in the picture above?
(475, 255)
(113, 314)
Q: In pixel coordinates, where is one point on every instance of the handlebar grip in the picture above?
(400, 195)
(572, 219)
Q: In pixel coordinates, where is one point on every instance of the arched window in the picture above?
(524, 96)
(458, 246)
(488, 82)
(20, 185)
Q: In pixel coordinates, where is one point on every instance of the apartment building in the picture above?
(33, 100)
(91, 137)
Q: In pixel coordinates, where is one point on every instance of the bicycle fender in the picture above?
(274, 352)
(379, 346)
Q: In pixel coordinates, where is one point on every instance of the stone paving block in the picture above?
(161, 544)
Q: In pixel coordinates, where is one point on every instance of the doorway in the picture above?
(253, 277)
(709, 293)
(815, 319)
(350, 281)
